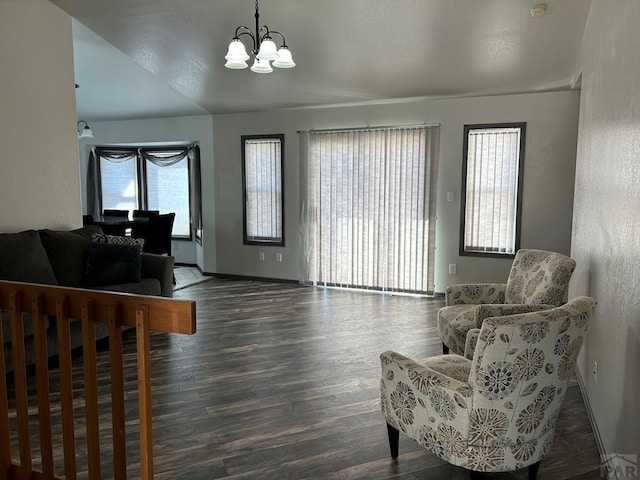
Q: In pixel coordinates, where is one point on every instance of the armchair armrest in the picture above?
(475, 293)
(160, 267)
(470, 344)
(413, 394)
(485, 311)
(410, 369)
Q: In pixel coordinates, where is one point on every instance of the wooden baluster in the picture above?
(20, 381)
(39, 319)
(117, 393)
(5, 449)
(66, 387)
(91, 389)
(144, 391)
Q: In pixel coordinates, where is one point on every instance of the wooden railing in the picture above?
(17, 417)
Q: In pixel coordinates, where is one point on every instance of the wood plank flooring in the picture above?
(282, 382)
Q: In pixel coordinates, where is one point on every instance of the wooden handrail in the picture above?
(89, 307)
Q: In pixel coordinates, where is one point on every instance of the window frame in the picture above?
(519, 193)
(141, 180)
(267, 241)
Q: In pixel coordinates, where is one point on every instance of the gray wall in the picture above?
(548, 178)
(165, 130)
(606, 239)
(40, 182)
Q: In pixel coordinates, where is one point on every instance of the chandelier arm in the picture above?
(284, 42)
(246, 31)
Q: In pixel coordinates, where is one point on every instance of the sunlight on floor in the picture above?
(186, 276)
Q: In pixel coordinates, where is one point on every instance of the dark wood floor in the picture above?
(282, 382)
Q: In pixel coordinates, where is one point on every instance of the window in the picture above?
(157, 178)
(369, 210)
(493, 157)
(168, 190)
(263, 189)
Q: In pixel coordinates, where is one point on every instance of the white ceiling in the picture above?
(155, 58)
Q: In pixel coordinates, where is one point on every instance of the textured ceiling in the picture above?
(166, 57)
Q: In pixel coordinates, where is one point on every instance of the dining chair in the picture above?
(145, 213)
(159, 231)
(141, 230)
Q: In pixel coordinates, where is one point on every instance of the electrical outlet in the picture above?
(278, 257)
(595, 372)
(261, 256)
(452, 269)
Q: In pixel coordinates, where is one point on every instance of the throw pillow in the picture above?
(24, 259)
(113, 264)
(117, 240)
(67, 252)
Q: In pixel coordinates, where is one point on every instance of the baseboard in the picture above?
(231, 276)
(590, 415)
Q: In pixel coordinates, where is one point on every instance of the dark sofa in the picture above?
(73, 259)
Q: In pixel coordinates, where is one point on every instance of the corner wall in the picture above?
(551, 118)
(39, 181)
(606, 238)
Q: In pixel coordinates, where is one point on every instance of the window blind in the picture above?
(370, 208)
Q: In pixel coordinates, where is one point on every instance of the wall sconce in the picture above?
(86, 131)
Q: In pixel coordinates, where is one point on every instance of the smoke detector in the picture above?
(538, 10)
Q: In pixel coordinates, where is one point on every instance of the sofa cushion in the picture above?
(111, 264)
(24, 259)
(67, 252)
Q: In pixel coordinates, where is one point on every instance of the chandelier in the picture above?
(264, 48)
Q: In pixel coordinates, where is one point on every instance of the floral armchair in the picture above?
(538, 281)
(498, 411)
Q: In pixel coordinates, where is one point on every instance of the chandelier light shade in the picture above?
(263, 48)
(85, 132)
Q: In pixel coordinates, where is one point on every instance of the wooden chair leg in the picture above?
(394, 439)
(445, 349)
(533, 470)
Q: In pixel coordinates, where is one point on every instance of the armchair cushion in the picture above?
(475, 293)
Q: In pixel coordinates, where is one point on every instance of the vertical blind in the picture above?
(263, 189)
(491, 201)
(369, 209)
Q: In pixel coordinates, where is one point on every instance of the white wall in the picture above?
(548, 177)
(175, 129)
(606, 238)
(39, 181)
